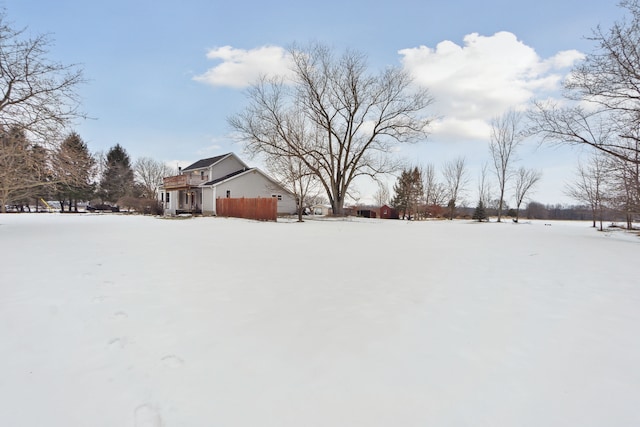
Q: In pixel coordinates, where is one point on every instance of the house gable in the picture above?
(205, 163)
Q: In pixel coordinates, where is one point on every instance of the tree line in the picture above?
(418, 193)
(331, 120)
(69, 173)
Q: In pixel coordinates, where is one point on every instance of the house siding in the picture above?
(254, 184)
(225, 167)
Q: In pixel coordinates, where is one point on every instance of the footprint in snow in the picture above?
(172, 361)
(147, 416)
(118, 343)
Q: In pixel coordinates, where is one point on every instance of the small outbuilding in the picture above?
(387, 212)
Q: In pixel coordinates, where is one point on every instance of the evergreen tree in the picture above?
(118, 178)
(480, 214)
(408, 192)
(75, 168)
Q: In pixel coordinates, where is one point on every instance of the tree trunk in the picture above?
(600, 215)
(337, 205)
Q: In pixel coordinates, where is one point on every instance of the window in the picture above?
(202, 175)
(162, 197)
(279, 196)
(228, 193)
(167, 199)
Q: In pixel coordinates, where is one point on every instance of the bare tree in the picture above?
(434, 191)
(624, 188)
(484, 186)
(149, 173)
(297, 178)
(23, 167)
(339, 120)
(505, 138)
(382, 195)
(455, 181)
(37, 97)
(589, 186)
(526, 179)
(606, 88)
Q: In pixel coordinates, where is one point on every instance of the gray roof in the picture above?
(224, 178)
(205, 163)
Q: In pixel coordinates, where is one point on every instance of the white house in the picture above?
(197, 187)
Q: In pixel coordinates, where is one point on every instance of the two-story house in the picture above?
(197, 186)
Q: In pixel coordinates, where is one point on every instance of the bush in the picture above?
(141, 205)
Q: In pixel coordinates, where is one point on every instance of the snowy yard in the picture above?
(111, 321)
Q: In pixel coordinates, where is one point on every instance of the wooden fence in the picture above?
(262, 209)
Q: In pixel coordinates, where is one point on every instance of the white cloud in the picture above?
(482, 78)
(239, 68)
(455, 129)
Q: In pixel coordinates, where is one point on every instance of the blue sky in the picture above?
(165, 75)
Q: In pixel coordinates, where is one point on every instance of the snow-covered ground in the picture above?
(113, 320)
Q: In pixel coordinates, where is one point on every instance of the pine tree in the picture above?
(74, 170)
(118, 178)
(408, 191)
(479, 214)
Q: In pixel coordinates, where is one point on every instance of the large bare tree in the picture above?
(606, 91)
(37, 97)
(36, 93)
(505, 138)
(339, 119)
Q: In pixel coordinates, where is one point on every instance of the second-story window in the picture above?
(202, 175)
